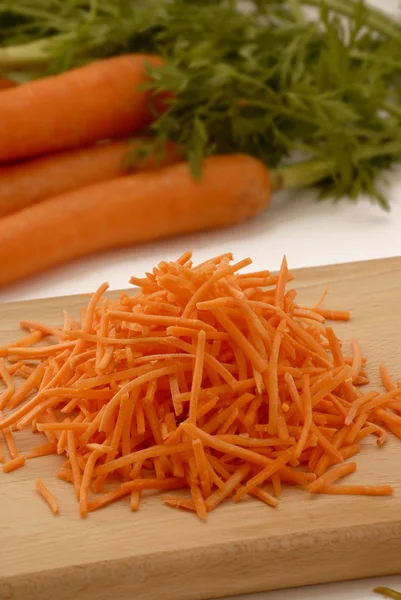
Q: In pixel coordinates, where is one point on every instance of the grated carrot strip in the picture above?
(276, 482)
(171, 483)
(203, 467)
(379, 401)
(198, 500)
(42, 450)
(229, 421)
(333, 315)
(42, 489)
(230, 485)
(10, 384)
(220, 418)
(14, 463)
(306, 392)
(332, 476)
(337, 441)
(239, 338)
(197, 377)
(386, 379)
(27, 340)
(41, 351)
(128, 388)
(281, 283)
(205, 381)
(10, 442)
(165, 320)
(178, 502)
(72, 455)
(264, 496)
(2, 455)
(266, 473)
(106, 499)
(325, 444)
(272, 382)
(355, 429)
(360, 490)
(307, 313)
(151, 452)
(135, 500)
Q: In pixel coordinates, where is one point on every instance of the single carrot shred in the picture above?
(47, 496)
(358, 490)
(14, 464)
(331, 476)
(197, 376)
(207, 380)
(10, 384)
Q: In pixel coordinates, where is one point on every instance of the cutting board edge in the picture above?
(297, 271)
(166, 574)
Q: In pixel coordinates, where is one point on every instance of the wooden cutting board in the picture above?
(160, 553)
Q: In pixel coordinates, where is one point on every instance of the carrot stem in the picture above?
(31, 56)
(309, 172)
(389, 593)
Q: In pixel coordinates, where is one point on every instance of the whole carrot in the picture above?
(129, 210)
(97, 101)
(34, 180)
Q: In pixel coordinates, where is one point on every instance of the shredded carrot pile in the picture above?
(209, 384)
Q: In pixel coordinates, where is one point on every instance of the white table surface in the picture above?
(309, 233)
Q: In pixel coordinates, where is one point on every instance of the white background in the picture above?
(309, 233)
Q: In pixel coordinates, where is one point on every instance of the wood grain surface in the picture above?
(161, 553)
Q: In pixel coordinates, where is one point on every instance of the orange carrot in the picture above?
(386, 379)
(43, 450)
(31, 383)
(333, 315)
(14, 463)
(218, 495)
(129, 210)
(172, 483)
(359, 490)
(178, 502)
(94, 102)
(153, 390)
(307, 416)
(9, 439)
(9, 381)
(2, 455)
(331, 476)
(76, 472)
(85, 482)
(203, 466)
(47, 496)
(135, 500)
(32, 181)
(199, 501)
(27, 340)
(264, 496)
(197, 376)
(107, 498)
(267, 472)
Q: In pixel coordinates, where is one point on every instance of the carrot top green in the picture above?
(388, 593)
(270, 81)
